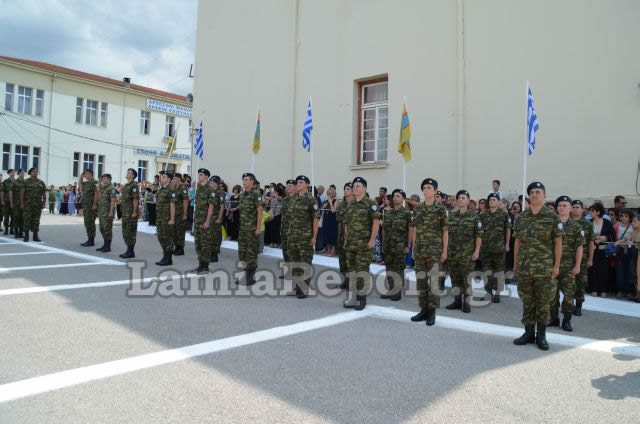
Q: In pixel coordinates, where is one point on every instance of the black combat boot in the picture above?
(179, 251)
(107, 247)
(541, 337)
(16, 233)
(101, 248)
(361, 302)
(128, 254)
(566, 322)
(300, 292)
(166, 260)
(26, 236)
(529, 336)
(577, 311)
(466, 307)
(555, 321)
(456, 304)
(496, 298)
(36, 238)
(431, 317)
(203, 268)
(88, 243)
(397, 295)
(251, 278)
(421, 316)
(10, 230)
(6, 230)
(345, 283)
(349, 303)
(214, 258)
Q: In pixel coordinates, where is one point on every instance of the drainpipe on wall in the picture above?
(124, 108)
(53, 78)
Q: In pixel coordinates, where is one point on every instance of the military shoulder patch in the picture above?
(560, 226)
(173, 195)
(479, 225)
(135, 190)
(582, 233)
(259, 198)
(213, 195)
(315, 207)
(374, 207)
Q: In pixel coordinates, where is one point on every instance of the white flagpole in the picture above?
(253, 163)
(311, 148)
(404, 165)
(526, 146)
(253, 158)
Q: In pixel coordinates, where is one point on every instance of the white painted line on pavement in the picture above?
(25, 268)
(58, 287)
(26, 253)
(42, 246)
(46, 383)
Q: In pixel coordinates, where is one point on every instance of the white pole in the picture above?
(526, 146)
(404, 166)
(253, 163)
(312, 149)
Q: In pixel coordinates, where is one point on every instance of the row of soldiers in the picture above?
(21, 202)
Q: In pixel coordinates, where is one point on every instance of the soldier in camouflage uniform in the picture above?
(203, 230)
(250, 206)
(342, 252)
(182, 208)
(536, 255)
(495, 243)
(33, 195)
(587, 254)
(361, 221)
(52, 199)
(107, 195)
(130, 201)
(7, 201)
(218, 213)
(284, 230)
(465, 240)
(430, 237)
(395, 244)
(89, 189)
(17, 208)
(302, 220)
(569, 265)
(166, 217)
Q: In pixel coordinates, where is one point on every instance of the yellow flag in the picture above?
(172, 145)
(404, 144)
(256, 137)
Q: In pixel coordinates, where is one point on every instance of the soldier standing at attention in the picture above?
(396, 240)
(52, 199)
(166, 217)
(303, 220)
(361, 221)
(569, 265)
(16, 207)
(89, 189)
(284, 229)
(203, 231)
(430, 236)
(465, 240)
(182, 207)
(130, 201)
(342, 252)
(218, 213)
(32, 199)
(7, 204)
(587, 254)
(250, 205)
(536, 263)
(107, 195)
(495, 244)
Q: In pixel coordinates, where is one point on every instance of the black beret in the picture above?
(32, 169)
(433, 183)
(303, 178)
(359, 180)
(169, 174)
(107, 176)
(493, 195)
(346, 185)
(535, 184)
(216, 179)
(577, 202)
(177, 174)
(133, 171)
(439, 193)
(20, 170)
(389, 196)
(563, 199)
(89, 170)
(250, 175)
(461, 192)
(204, 171)
(292, 182)
(402, 193)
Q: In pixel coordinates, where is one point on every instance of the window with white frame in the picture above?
(91, 117)
(35, 158)
(169, 125)
(88, 161)
(374, 121)
(8, 97)
(145, 121)
(100, 165)
(25, 95)
(103, 114)
(6, 156)
(39, 102)
(79, 106)
(21, 157)
(76, 164)
(143, 165)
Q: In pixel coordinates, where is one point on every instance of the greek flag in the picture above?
(532, 124)
(306, 129)
(199, 145)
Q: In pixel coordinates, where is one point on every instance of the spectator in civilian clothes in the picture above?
(329, 223)
(619, 203)
(381, 195)
(604, 233)
(624, 236)
(635, 261)
(495, 188)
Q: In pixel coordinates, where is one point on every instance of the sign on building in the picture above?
(159, 106)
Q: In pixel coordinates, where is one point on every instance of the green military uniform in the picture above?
(89, 189)
(130, 192)
(165, 231)
(6, 187)
(52, 199)
(342, 252)
(284, 228)
(179, 228)
(216, 242)
(248, 242)
(536, 234)
(205, 196)
(17, 219)
(571, 241)
(581, 279)
(429, 222)
(395, 231)
(359, 217)
(34, 190)
(495, 226)
(107, 192)
(302, 212)
(464, 228)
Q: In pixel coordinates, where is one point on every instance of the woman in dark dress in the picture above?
(64, 207)
(234, 213)
(598, 274)
(329, 223)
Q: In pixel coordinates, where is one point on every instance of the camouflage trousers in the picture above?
(300, 251)
(358, 261)
(106, 227)
(216, 238)
(535, 290)
(16, 219)
(89, 221)
(285, 246)
(566, 284)
(581, 281)
(129, 231)
(6, 214)
(203, 241)
(248, 244)
(460, 266)
(166, 236)
(52, 207)
(342, 252)
(179, 228)
(428, 290)
(32, 212)
(394, 261)
(494, 262)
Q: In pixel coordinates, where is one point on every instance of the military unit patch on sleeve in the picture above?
(213, 195)
(560, 227)
(135, 190)
(373, 207)
(479, 225)
(315, 207)
(173, 195)
(259, 198)
(582, 233)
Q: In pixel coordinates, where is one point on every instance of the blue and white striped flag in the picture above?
(532, 124)
(199, 144)
(306, 129)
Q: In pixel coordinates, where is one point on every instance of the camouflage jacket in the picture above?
(249, 202)
(164, 197)
(429, 223)
(588, 235)
(6, 187)
(495, 226)
(284, 228)
(34, 190)
(130, 192)
(107, 192)
(218, 202)
(537, 234)
(464, 228)
(571, 241)
(302, 211)
(52, 195)
(16, 187)
(205, 196)
(395, 228)
(89, 189)
(181, 194)
(359, 217)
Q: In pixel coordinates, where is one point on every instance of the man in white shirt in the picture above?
(496, 188)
